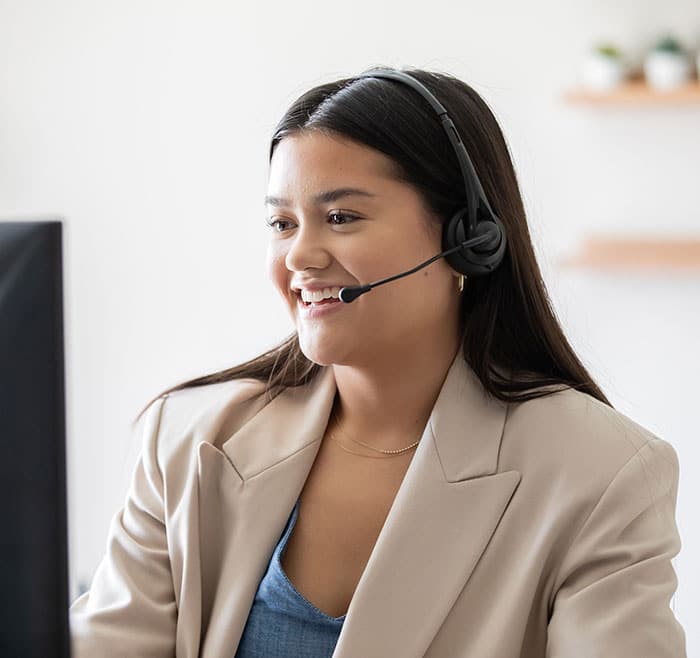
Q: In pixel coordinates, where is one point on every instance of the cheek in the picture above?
(276, 268)
(414, 299)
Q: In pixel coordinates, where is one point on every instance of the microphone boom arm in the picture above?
(351, 293)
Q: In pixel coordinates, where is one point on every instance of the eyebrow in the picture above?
(323, 197)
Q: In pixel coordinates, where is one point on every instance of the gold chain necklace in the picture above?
(353, 452)
(386, 452)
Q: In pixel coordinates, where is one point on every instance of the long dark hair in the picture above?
(511, 337)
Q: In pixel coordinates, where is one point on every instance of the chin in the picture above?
(323, 352)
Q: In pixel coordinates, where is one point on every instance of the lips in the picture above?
(327, 300)
(318, 310)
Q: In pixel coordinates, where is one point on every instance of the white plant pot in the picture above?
(602, 73)
(666, 71)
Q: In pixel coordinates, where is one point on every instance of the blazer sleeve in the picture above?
(130, 609)
(614, 586)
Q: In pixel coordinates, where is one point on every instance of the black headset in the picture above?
(474, 239)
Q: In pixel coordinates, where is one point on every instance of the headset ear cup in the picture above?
(477, 260)
(453, 233)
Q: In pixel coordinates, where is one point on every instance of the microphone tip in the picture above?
(351, 293)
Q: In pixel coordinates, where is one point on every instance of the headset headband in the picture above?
(472, 185)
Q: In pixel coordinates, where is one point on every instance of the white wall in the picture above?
(146, 126)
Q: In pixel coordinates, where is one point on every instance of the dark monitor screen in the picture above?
(33, 535)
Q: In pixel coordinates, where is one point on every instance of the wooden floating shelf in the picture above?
(608, 253)
(636, 92)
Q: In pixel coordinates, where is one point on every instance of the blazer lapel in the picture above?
(447, 508)
(246, 493)
(445, 511)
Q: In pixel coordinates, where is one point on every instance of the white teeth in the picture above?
(318, 295)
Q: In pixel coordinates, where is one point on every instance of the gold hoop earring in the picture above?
(460, 280)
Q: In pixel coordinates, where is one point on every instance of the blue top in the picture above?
(281, 622)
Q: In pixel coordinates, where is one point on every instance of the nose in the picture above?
(306, 250)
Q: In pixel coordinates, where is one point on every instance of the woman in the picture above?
(428, 470)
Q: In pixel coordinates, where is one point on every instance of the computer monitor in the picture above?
(33, 517)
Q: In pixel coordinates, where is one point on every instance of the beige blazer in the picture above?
(527, 530)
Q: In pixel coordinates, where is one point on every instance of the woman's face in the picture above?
(322, 235)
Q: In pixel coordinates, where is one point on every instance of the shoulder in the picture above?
(578, 420)
(576, 442)
(212, 413)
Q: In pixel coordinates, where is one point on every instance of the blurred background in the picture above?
(146, 126)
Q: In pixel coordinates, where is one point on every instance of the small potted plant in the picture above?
(604, 68)
(667, 65)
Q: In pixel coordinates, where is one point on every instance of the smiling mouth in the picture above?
(327, 300)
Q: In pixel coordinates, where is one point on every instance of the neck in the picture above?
(387, 404)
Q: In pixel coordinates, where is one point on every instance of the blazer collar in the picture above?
(446, 510)
(465, 425)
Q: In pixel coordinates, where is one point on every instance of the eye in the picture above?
(344, 216)
(272, 222)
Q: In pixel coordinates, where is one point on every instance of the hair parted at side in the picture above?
(508, 324)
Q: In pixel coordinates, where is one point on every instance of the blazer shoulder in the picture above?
(575, 435)
(210, 413)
